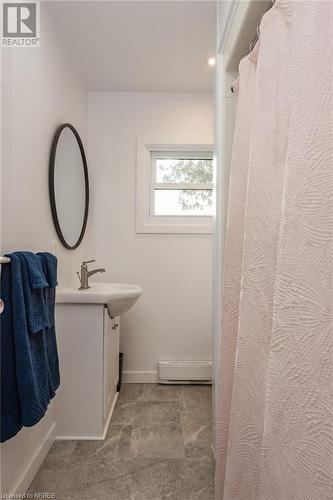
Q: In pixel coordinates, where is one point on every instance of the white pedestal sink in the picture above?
(118, 297)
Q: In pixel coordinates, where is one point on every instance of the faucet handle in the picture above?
(84, 262)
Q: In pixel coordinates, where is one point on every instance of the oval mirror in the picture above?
(69, 186)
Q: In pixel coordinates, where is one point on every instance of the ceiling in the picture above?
(152, 46)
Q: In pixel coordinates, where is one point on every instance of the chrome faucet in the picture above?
(85, 274)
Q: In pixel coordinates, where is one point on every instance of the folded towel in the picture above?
(49, 263)
(11, 421)
(29, 358)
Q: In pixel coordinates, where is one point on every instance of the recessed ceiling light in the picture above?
(211, 61)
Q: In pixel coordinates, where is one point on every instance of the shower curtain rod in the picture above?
(252, 44)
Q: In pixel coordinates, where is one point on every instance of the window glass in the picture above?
(183, 202)
(176, 170)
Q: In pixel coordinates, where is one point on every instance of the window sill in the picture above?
(156, 227)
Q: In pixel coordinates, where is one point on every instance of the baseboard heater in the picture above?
(185, 372)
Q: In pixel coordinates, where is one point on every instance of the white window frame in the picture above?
(146, 221)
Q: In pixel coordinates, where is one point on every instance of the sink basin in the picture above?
(118, 297)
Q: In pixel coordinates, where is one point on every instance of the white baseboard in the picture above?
(35, 462)
(80, 438)
(131, 377)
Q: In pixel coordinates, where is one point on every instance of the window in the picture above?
(182, 184)
(174, 189)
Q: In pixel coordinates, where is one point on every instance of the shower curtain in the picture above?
(274, 421)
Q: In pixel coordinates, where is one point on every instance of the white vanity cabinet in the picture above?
(88, 345)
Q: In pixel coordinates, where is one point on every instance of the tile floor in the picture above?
(158, 446)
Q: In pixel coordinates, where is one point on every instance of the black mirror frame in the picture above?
(51, 185)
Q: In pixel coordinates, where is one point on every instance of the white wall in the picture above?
(39, 92)
(172, 320)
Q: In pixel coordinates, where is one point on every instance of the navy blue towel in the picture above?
(29, 356)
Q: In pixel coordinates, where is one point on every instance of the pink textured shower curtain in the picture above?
(275, 409)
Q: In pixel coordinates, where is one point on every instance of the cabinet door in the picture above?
(111, 361)
(79, 400)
